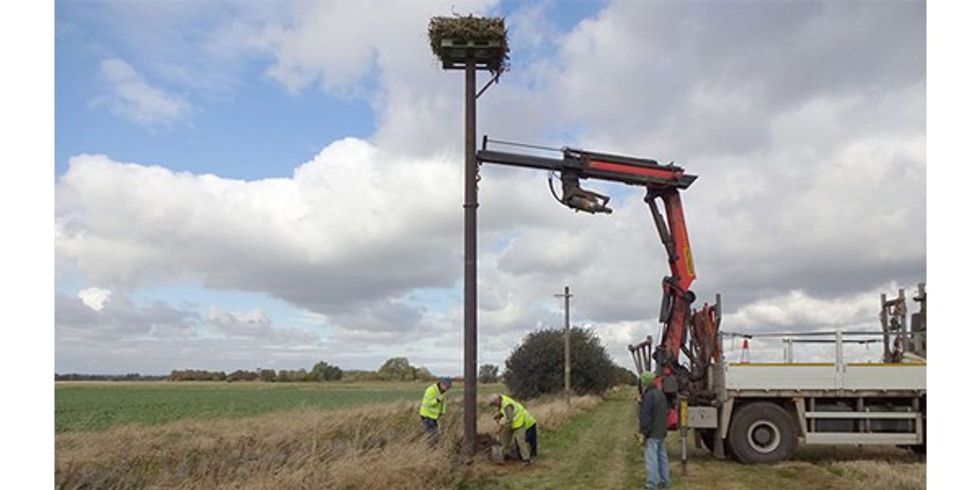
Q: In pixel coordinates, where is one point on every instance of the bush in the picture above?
(537, 366)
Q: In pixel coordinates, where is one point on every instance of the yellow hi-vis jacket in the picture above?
(433, 404)
(522, 418)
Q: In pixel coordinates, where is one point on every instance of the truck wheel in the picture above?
(762, 432)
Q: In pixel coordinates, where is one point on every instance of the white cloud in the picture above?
(337, 44)
(131, 97)
(255, 324)
(797, 310)
(154, 337)
(352, 226)
(94, 298)
(119, 320)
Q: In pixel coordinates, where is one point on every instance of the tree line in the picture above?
(321, 371)
(534, 368)
(394, 369)
(107, 377)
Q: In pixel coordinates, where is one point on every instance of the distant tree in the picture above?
(108, 377)
(397, 368)
(323, 371)
(536, 366)
(489, 373)
(267, 375)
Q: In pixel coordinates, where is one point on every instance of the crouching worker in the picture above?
(433, 406)
(516, 426)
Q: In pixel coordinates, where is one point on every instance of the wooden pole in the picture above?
(568, 350)
(469, 265)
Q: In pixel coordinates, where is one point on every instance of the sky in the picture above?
(256, 184)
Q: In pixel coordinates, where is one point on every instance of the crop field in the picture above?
(93, 406)
(337, 435)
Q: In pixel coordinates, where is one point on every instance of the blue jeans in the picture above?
(532, 439)
(658, 469)
(431, 428)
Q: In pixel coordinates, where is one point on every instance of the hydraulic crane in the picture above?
(663, 183)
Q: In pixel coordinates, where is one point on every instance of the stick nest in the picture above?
(469, 28)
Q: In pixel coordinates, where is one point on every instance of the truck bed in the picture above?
(825, 376)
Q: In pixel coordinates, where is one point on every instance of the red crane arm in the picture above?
(663, 182)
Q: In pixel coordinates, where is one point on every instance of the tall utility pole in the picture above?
(568, 350)
(469, 265)
(470, 55)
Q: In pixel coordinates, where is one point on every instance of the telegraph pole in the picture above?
(568, 350)
(469, 266)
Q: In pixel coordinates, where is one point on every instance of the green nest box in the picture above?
(487, 55)
(458, 40)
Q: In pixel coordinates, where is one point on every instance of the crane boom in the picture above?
(662, 183)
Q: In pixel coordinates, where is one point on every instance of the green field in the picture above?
(94, 406)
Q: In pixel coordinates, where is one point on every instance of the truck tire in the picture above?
(762, 432)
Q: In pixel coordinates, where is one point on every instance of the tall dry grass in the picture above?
(373, 446)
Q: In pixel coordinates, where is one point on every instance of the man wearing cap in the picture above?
(653, 429)
(516, 425)
(433, 406)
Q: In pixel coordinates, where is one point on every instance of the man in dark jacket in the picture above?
(653, 428)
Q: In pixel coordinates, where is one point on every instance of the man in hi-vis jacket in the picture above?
(433, 406)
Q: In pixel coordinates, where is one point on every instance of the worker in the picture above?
(516, 425)
(433, 406)
(653, 431)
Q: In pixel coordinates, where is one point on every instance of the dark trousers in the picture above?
(531, 436)
(431, 428)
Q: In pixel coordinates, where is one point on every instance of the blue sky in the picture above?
(247, 128)
(285, 178)
(250, 127)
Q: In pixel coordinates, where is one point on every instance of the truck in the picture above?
(753, 412)
(762, 411)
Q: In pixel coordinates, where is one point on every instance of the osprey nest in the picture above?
(455, 40)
